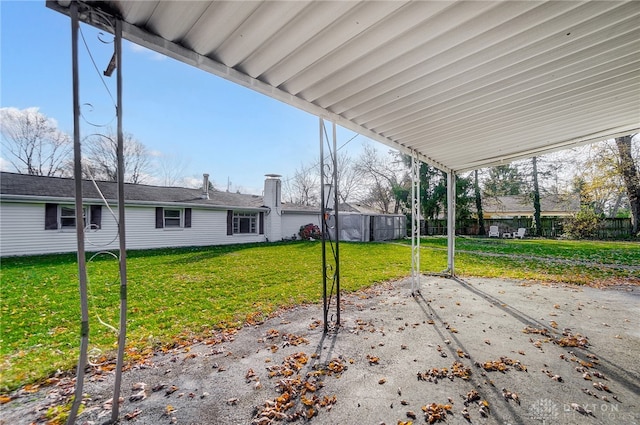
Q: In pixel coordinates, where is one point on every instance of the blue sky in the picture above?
(208, 123)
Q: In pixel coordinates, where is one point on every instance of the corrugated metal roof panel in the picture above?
(466, 84)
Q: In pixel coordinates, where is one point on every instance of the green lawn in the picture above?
(177, 294)
(609, 252)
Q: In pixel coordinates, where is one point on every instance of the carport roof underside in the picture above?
(463, 84)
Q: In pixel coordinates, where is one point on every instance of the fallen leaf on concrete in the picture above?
(139, 396)
(600, 386)
(373, 360)
(580, 409)
(132, 415)
(158, 387)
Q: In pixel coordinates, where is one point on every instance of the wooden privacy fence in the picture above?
(552, 227)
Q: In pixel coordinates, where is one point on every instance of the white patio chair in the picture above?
(520, 233)
(494, 232)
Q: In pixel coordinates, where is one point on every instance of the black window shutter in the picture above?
(187, 217)
(261, 223)
(50, 216)
(229, 222)
(159, 218)
(96, 216)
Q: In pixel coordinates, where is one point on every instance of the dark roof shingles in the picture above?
(57, 187)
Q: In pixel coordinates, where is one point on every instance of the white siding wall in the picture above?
(22, 231)
(291, 222)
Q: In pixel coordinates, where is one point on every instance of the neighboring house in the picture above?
(520, 206)
(37, 215)
(510, 213)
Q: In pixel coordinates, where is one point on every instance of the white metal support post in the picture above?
(77, 175)
(415, 223)
(336, 204)
(122, 335)
(330, 229)
(451, 222)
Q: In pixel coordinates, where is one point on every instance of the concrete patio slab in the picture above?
(569, 354)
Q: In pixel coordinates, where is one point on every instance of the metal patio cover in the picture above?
(463, 84)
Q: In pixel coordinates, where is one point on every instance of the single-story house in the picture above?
(551, 205)
(510, 213)
(37, 215)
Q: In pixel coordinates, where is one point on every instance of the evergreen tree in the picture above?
(503, 180)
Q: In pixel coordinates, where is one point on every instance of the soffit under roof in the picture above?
(464, 84)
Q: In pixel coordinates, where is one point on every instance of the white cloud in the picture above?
(193, 182)
(136, 48)
(5, 165)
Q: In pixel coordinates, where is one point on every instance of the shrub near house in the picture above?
(310, 231)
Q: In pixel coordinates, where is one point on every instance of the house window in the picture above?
(64, 216)
(245, 222)
(173, 218)
(68, 217)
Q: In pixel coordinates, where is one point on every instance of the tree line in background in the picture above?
(605, 176)
(33, 144)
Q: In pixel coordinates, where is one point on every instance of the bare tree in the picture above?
(33, 141)
(102, 158)
(381, 175)
(349, 179)
(171, 169)
(304, 187)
